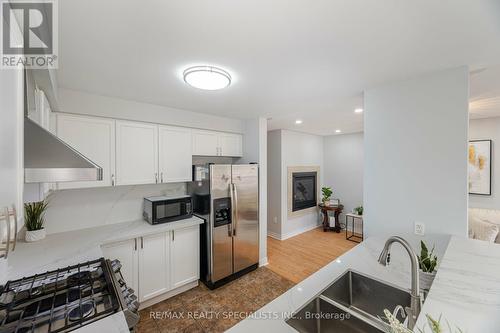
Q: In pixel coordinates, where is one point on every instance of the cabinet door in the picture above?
(205, 143)
(175, 155)
(185, 255)
(95, 139)
(136, 153)
(230, 144)
(126, 252)
(154, 262)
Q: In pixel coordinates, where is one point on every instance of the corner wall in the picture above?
(343, 169)
(416, 155)
(286, 149)
(488, 129)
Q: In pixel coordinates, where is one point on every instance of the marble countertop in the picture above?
(72, 247)
(465, 292)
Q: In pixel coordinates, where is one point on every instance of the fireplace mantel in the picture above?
(297, 169)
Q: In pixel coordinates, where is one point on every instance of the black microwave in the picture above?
(167, 209)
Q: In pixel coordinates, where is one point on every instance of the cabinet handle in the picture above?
(161, 177)
(173, 235)
(156, 177)
(135, 244)
(142, 243)
(112, 179)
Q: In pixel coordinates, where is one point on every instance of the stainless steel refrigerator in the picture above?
(230, 236)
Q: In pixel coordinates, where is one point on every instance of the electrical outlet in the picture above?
(275, 219)
(419, 229)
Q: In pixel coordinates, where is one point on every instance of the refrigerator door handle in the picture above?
(233, 205)
(235, 194)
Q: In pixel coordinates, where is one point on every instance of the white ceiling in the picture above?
(289, 59)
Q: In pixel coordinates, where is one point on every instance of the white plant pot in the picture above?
(426, 279)
(34, 235)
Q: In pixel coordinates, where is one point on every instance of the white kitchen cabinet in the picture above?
(95, 139)
(126, 253)
(136, 153)
(230, 144)
(175, 154)
(205, 143)
(185, 255)
(154, 264)
(210, 143)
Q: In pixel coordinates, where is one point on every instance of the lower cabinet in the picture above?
(155, 264)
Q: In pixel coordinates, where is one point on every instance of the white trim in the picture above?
(263, 262)
(274, 235)
(167, 295)
(300, 231)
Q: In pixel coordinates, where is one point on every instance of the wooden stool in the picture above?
(326, 221)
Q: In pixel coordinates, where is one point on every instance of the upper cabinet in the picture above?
(205, 143)
(209, 143)
(133, 153)
(95, 139)
(136, 153)
(175, 156)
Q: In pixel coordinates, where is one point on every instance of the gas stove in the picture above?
(66, 299)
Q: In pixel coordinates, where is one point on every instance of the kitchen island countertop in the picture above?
(465, 292)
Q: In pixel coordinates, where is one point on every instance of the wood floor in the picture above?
(298, 257)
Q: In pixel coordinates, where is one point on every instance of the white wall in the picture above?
(72, 101)
(274, 183)
(488, 129)
(288, 149)
(255, 150)
(415, 145)
(343, 169)
(92, 207)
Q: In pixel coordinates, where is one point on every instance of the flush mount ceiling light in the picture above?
(298, 121)
(207, 77)
(358, 110)
(338, 131)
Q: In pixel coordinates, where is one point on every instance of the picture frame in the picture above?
(480, 167)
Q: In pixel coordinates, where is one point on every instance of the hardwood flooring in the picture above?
(298, 257)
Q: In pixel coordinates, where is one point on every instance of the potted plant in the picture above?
(358, 210)
(327, 193)
(393, 325)
(33, 219)
(427, 262)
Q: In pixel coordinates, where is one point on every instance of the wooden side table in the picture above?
(326, 221)
(353, 237)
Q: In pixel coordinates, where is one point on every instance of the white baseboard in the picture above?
(263, 262)
(293, 233)
(274, 235)
(168, 294)
(299, 231)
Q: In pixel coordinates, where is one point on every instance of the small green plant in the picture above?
(327, 193)
(358, 210)
(394, 326)
(34, 215)
(427, 260)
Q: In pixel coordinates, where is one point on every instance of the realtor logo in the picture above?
(29, 34)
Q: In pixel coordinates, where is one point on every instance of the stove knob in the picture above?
(116, 265)
(132, 298)
(128, 291)
(134, 306)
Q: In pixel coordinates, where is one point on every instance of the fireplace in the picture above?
(304, 191)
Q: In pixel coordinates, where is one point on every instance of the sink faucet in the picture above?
(385, 258)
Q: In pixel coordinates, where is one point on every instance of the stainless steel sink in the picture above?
(359, 297)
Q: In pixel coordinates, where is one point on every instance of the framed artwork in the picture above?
(480, 167)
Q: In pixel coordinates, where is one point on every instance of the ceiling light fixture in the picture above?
(207, 77)
(358, 110)
(298, 121)
(338, 131)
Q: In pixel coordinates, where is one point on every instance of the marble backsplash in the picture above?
(85, 208)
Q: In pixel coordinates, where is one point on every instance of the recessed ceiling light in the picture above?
(207, 77)
(338, 131)
(358, 110)
(298, 121)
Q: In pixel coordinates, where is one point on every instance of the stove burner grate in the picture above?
(81, 311)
